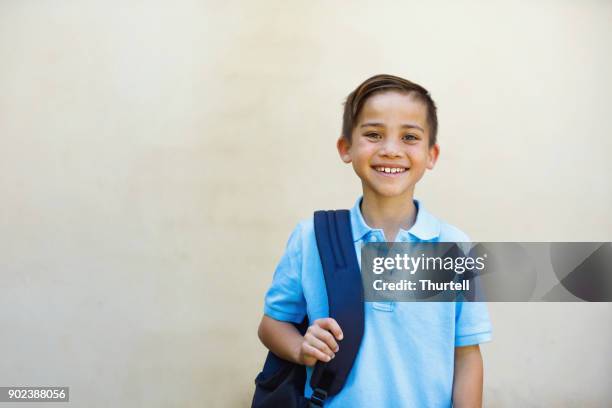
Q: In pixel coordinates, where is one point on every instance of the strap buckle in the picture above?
(318, 397)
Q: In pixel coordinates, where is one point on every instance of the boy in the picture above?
(413, 354)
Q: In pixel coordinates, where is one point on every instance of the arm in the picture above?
(281, 338)
(284, 340)
(467, 383)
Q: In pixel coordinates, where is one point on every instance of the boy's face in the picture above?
(390, 145)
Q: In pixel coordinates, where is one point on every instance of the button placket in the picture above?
(374, 236)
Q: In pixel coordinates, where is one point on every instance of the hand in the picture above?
(320, 342)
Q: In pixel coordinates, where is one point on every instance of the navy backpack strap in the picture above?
(345, 299)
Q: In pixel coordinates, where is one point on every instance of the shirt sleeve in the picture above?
(472, 324)
(284, 299)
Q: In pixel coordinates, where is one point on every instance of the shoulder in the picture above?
(450, 233)
(304, 229)
(301, 236)
(428, 227)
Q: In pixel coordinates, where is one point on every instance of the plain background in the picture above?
(155, 156)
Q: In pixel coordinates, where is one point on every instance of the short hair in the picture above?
(383, 83)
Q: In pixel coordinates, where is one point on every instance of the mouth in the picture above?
(390, 171)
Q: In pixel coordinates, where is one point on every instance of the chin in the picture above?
(390, 193)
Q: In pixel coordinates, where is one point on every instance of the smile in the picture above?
(390, 170)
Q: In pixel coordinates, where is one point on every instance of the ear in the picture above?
(344, 146)
(434, 152)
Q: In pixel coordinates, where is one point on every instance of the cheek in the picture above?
(419, 155)
(360, 162)
(363, 154)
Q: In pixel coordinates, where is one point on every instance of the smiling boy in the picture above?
(412, 354)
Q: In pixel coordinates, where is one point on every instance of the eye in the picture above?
(410, 138)
(373, 135)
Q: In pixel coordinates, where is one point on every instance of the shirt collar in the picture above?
(426, 227)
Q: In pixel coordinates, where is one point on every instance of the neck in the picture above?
(389, 213)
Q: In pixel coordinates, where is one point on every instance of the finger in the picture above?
(331, 325)
(313, 352)
(325, 336)
(319, 344)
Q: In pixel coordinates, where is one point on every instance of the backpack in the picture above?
(281, 383)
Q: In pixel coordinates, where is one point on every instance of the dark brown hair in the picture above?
(382, 83)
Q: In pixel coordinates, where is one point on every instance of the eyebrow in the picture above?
(405, 125)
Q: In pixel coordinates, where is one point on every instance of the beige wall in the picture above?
(155, 156)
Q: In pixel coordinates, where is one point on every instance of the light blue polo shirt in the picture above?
(406, 358)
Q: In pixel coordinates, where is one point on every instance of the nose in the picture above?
(390, 148)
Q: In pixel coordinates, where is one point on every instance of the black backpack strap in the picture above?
(345, 299)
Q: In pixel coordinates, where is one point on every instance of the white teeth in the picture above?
(391, 170)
